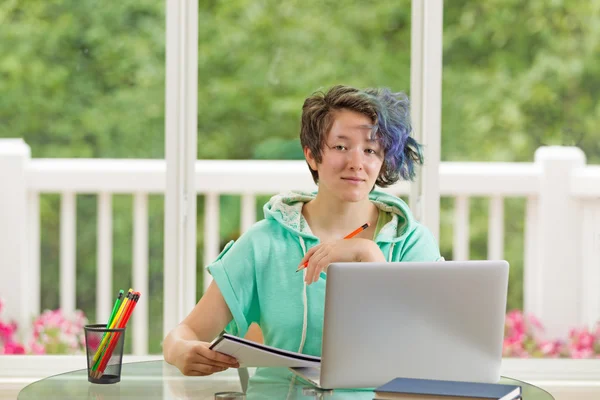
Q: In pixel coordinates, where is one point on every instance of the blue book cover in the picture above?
(402, 387)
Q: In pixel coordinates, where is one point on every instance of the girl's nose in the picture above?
(355, 159)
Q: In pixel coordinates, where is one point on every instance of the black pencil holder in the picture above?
(104, 347)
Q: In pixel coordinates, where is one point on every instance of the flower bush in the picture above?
(523, 338)
(8, 336)
(52, 333)
(55, 333)
(584, 343)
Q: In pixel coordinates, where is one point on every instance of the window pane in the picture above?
(517, 76)
(82, 79)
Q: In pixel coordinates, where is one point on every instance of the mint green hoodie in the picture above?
(257, 274)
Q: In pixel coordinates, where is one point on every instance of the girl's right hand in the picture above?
(196, 359)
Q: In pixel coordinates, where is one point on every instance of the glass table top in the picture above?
(159, 380)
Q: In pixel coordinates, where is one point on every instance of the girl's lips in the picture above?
(353, 180)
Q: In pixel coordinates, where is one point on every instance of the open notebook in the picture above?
(252, 354)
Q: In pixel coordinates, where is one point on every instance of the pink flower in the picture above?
(582, 343)
(515, 339)
(514, 322)
(36, 348)
(585, 353)
(13, 348)
(551, 348)
(6, 331)
(586, 340)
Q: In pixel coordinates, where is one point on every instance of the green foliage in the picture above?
(519, 75)
(82, 79)
(79, 79)
(259, 60)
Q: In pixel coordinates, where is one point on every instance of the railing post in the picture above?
(553, 290)
(181, 116)
(590, 261)
(14, 261)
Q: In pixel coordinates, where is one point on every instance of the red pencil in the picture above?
(348, 236)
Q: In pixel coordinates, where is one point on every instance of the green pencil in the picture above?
(116, 307)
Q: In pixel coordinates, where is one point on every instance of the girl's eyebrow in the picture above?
(370, 140)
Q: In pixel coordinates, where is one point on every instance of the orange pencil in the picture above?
(348, 236)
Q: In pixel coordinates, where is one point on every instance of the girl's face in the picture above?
(351, 160)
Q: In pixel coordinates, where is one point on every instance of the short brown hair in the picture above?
(389, 113)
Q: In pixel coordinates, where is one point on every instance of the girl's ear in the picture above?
(312, 163)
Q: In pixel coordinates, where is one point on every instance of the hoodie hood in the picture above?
(286, 209)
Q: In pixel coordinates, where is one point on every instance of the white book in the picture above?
(252, 354)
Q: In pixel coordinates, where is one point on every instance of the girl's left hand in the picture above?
(343, 250)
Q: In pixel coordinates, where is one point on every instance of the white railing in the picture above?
(562, 229)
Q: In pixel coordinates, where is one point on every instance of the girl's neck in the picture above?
(330, 218)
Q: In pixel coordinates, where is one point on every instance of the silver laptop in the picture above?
(433, 320)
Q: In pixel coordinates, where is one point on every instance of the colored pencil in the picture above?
(115, 307)
(107, 336)
(115, 339)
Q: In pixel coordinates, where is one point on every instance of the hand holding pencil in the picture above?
(320, 256)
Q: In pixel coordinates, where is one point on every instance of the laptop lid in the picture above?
(433, 320)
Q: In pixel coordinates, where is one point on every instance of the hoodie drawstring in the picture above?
(304, 319)
(304, 300)
(391, 252)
